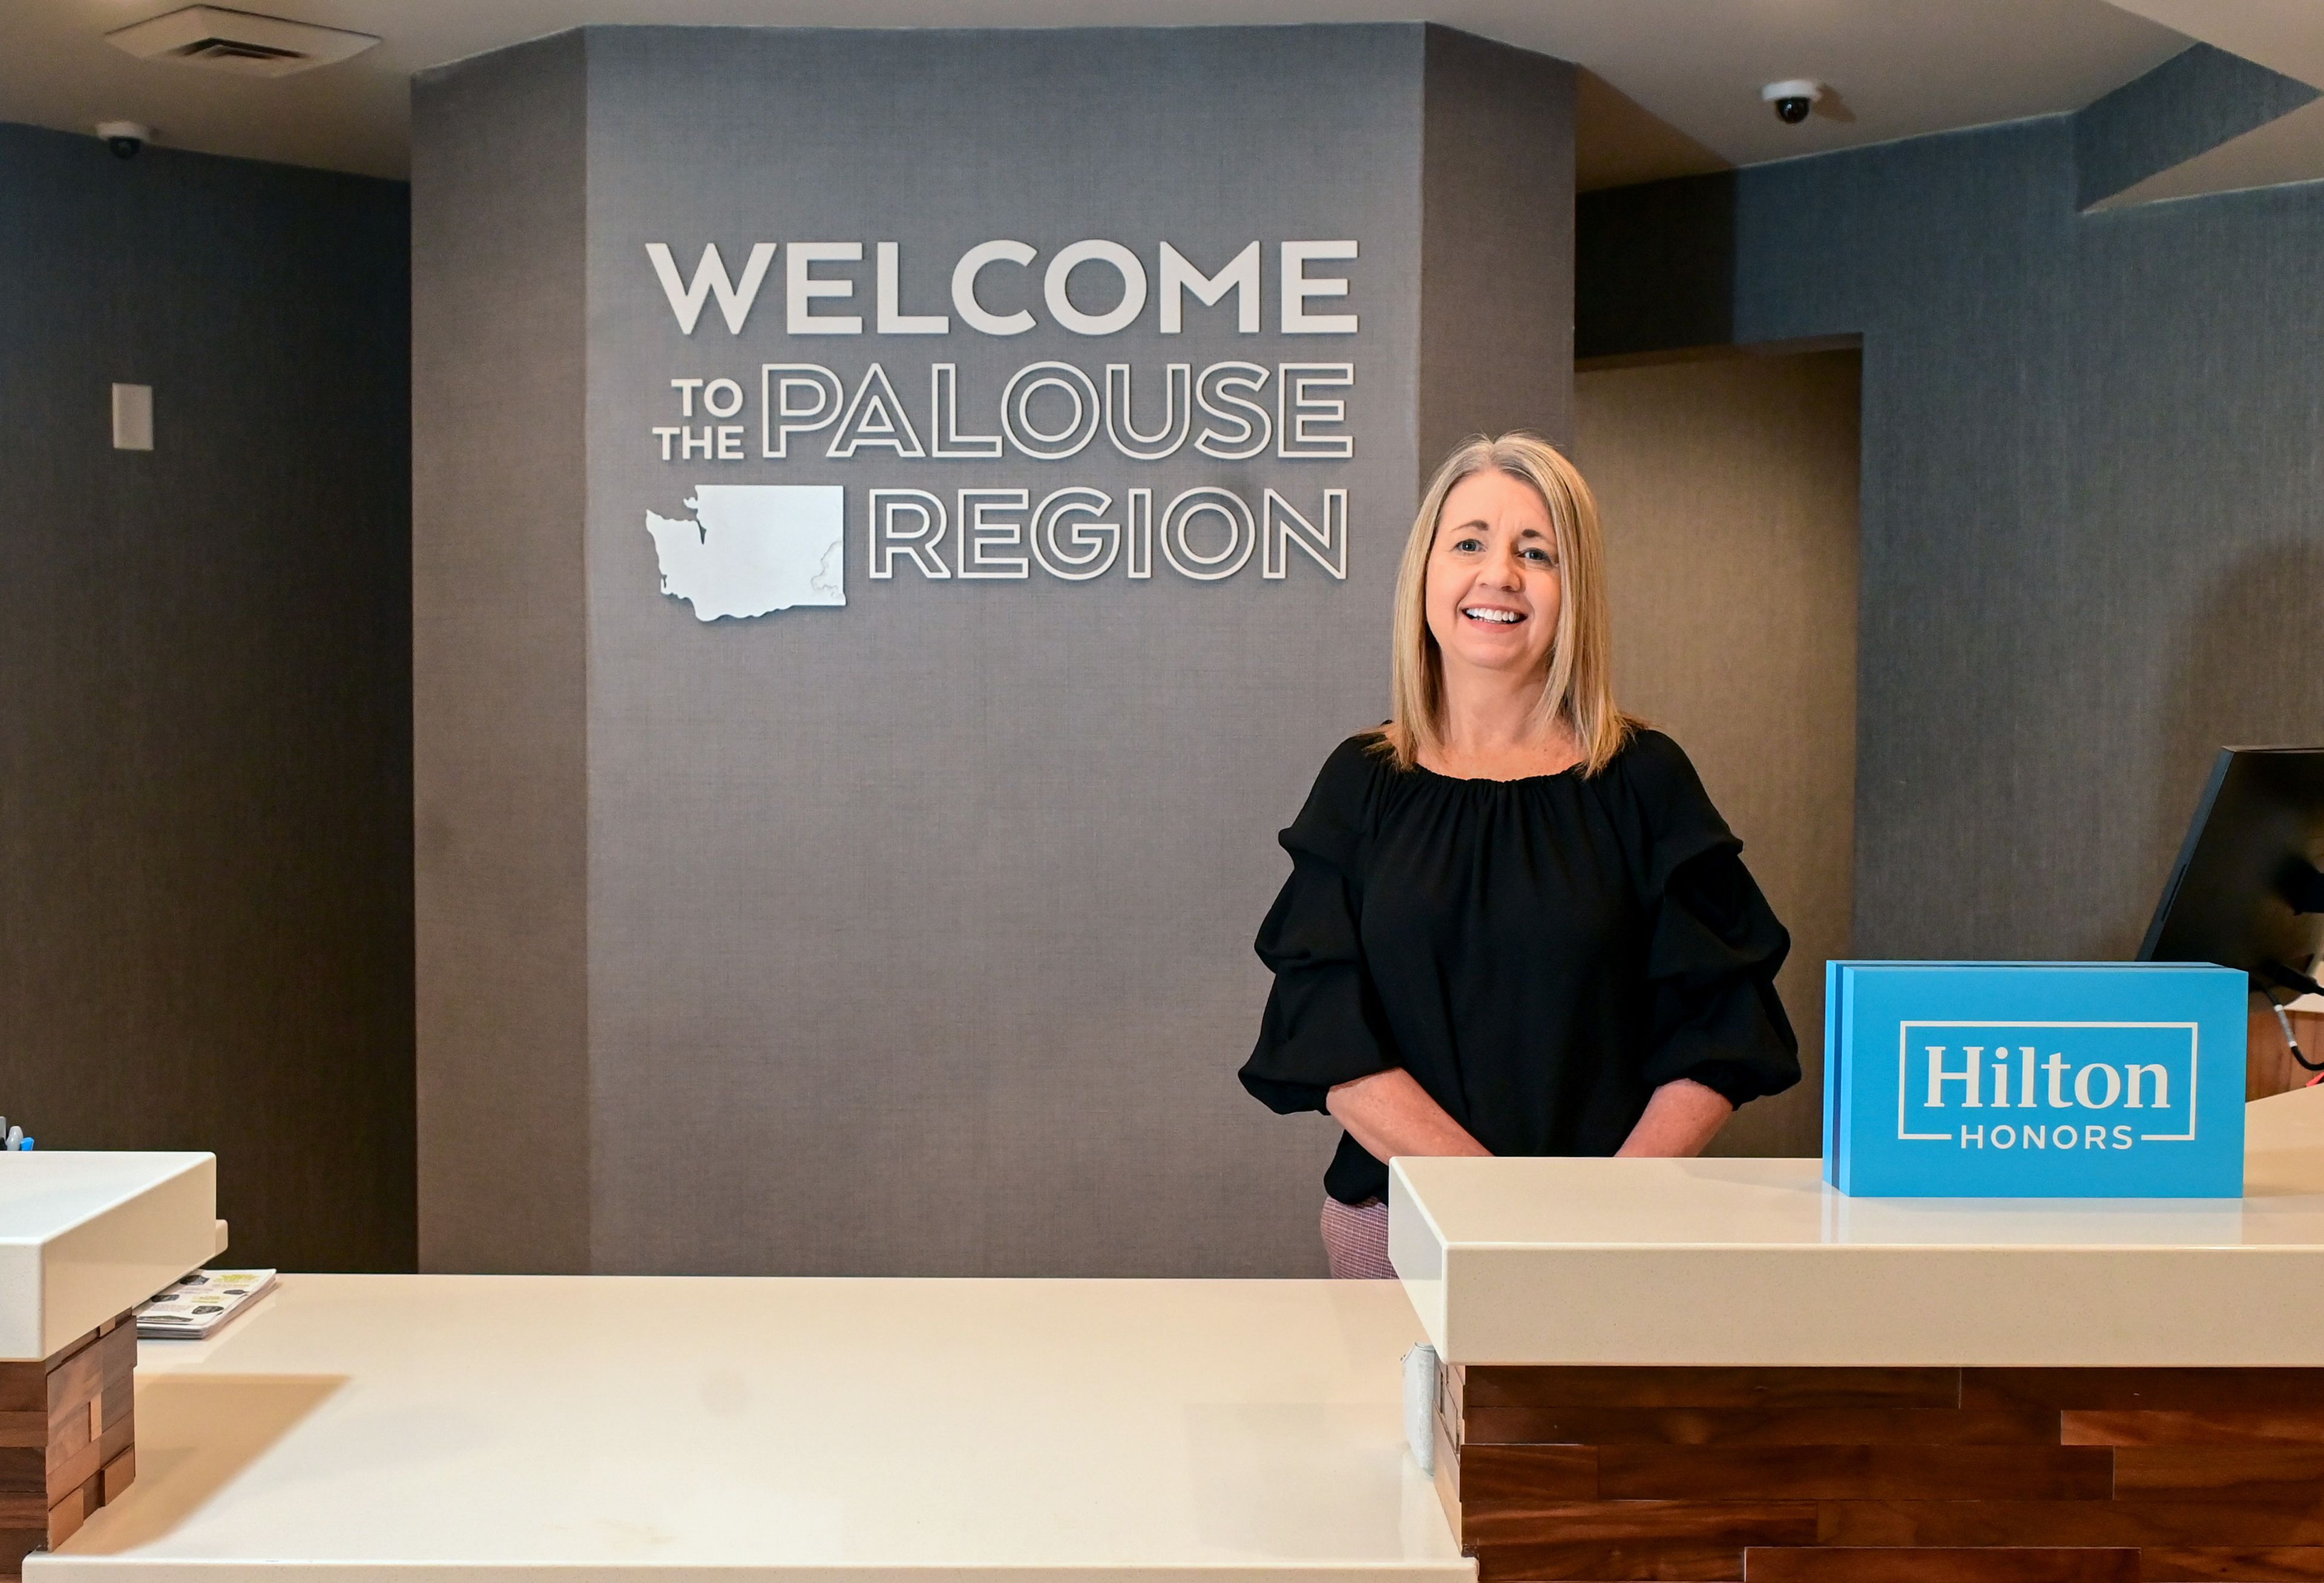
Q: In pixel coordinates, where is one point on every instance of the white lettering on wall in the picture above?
(801, 287)
(813, 274)
(1239, 276)
(735, 297)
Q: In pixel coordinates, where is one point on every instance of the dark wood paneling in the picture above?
(1783, 1473)
(2191, 1429)
(1702, 1523)
(1741, 1426)
(2281, 1475)
(72, 1454)
(1671, 1560)
(2176, 1564)
(2147, 1390)
(2011, 1565)
(2066, 1523)
(2183, 1465)
(1499, 1477)
(1712, 1388)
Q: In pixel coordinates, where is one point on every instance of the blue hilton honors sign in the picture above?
(2033, 1080)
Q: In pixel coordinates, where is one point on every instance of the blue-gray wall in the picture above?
(2093, 499)
(205, 751)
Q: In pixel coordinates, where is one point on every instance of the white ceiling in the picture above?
(1678, 89)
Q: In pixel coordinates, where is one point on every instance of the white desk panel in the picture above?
(497, 1427)
(1598, 1261)
(83, 1237)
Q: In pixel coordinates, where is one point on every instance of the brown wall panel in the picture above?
(1728, 488)
(205, 683)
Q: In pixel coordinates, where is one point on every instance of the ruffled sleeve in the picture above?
(1322, 1026)
(1714, 945)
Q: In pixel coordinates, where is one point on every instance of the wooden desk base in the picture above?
(1885, 1475)
(66, 1439)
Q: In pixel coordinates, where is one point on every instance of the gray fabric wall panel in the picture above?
(2090, 466)
(500, 494)
(1728, 487)
(1497, 244)
(205, 781)
(921, 929)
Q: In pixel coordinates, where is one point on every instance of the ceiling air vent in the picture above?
(238, 41)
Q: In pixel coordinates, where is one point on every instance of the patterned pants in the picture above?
(1355, 1236)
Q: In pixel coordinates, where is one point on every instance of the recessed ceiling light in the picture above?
(238, 41)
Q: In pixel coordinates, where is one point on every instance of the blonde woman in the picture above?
(1515, 924)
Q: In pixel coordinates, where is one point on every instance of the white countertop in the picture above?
(1757, 1262)
(85, 1237)
(490, 1427)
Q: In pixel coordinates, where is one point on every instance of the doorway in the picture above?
(1729, 486)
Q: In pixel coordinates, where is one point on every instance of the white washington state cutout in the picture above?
(753, 548)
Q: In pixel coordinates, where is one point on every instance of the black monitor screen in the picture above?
(2246, 891)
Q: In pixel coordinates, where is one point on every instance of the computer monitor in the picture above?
(2247, 891)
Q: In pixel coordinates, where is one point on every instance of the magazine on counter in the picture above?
(195, 1307)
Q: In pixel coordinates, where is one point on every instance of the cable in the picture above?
(2292, 1043)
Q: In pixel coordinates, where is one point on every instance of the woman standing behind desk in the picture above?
(1515, 924)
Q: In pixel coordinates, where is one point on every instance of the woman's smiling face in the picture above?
(1493, 584)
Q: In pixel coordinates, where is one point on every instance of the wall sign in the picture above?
(2098, 1079)
(887, 402)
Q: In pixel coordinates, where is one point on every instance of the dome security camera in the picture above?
(1792, 98)
(124, 138)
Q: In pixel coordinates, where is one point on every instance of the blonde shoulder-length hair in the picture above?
(1577, 687)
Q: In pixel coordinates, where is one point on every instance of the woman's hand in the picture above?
(1390, 1114)
(1681, 1120)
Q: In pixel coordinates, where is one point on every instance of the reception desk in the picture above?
(647, 1427)
(83, 1239)
(1651, 1369)
(1723, 1369)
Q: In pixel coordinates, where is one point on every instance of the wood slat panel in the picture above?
(2190, 1429)
(68, 1515)
(2001, 1564)
(87, 1461)
(1497, 1477)
(118, 1476)
(2172, 1564)
(1671, 1561)
(1744, 1426)
(1922, 1473)
(1943, 1524)
(17, 1542)
(1710, 1523)
(2150, 1390)
(73, 1383)
(2285, 1475)
(25, 1471)
(24, 1388)
(1659, 1386)
(1450, 1380)
(119, 1347)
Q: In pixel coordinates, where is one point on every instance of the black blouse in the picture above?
(1540, 954)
